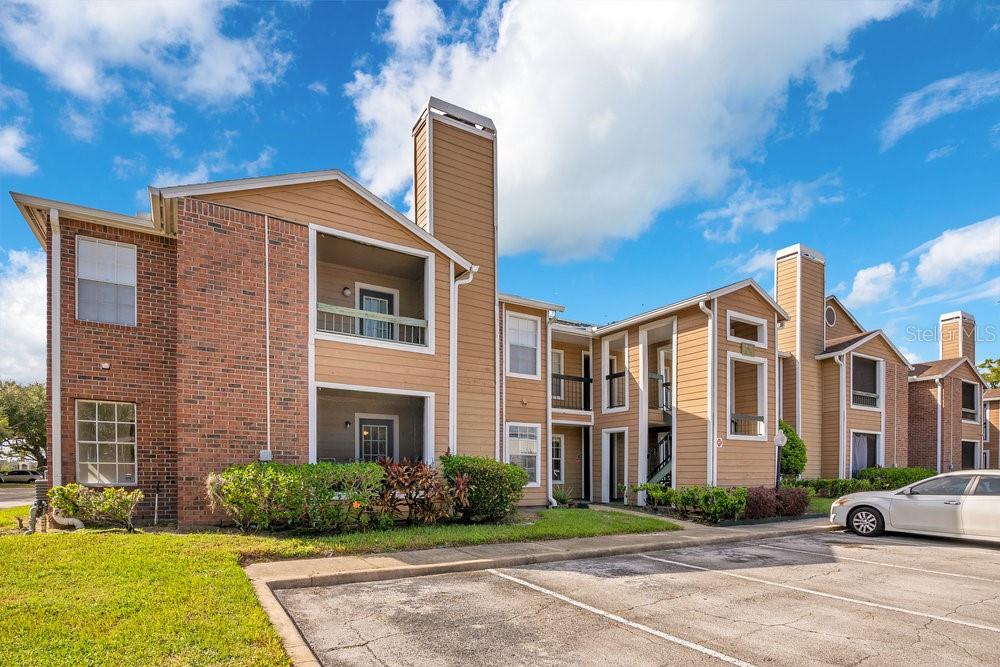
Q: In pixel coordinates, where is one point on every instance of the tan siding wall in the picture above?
(692, 398)
(787, 297)
(420, 192)
(968, 431)
(788, 390)
(993, 429)
(895, 404)
(462, 184)
(843, 327)
(629, 418)
(832, 394)
(949, 339)
(331, 279)
(742, 462)
(813, 304)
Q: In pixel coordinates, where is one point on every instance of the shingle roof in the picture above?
(834, 345)
(930, 370)
(991, 395)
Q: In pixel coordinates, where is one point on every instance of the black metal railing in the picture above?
(743, 424)
(658, 392)
(658, 457)
(864, 399)
(614, 385)
(571, 392)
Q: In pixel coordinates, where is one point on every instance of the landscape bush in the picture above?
(560, 496)
(495, 488)
(888, 479)
(415, 491)
(656, 494)
(322, 497)
(793, 454)
(713, 503)
(791, 501)
(833, 488)
(761, 503)
(110, 505)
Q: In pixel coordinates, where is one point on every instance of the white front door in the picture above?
(981, 509)
(934, 505)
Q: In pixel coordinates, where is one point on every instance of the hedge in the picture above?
(714, 503)
(108, 505)
(832, 488)
(495, 488)
(888, 479)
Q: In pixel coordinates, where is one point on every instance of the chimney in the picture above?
(957, 336)
(454, 198)
(800, 288)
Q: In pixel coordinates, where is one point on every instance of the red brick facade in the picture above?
(923, 424)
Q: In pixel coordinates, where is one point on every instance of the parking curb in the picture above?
(301, 653)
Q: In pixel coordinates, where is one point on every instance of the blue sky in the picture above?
(646, 152)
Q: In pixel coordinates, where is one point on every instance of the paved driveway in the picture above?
(14, 495)
(830, 599)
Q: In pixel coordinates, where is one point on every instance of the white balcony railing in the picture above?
(864, 399)
(366, 324)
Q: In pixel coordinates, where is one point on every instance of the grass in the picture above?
(818, 505)
(172, 598)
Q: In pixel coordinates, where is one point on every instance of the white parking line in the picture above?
(873, 562)
(918, 541)
(831, 596)
(624, 621)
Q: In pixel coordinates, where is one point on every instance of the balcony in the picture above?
(864, 399)
(658, 392)
(615, 388)
(746, 425)
(372, 294)
(571, 392)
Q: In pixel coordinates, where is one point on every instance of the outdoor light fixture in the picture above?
(347, 425)
(346, 291)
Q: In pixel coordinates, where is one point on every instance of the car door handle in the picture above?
(953, 502)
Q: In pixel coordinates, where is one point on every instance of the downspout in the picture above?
(710, 460)
(503, 384)
(267, 331)
(938, 383)
(453, 355)
(55, 363)
(548, 407)
(841, 415)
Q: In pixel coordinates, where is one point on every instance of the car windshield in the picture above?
(952, 485)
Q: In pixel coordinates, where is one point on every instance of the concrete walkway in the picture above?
(268, 577)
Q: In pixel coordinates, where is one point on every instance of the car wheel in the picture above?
(866, 522)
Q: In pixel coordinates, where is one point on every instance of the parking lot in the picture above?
(823, 599)
(15, 495)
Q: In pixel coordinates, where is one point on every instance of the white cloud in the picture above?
(156, 120)
(962, 254)
(765, 209)
(125, 168)
(938, 153)
(753, 262)
(166, 177)
(608, 114)
(260, 163)
(994, 136)
(13, 156)
(81, 126)
(22, 316)
(910, 355)
(413, 24)
(829, 76)
(317, 87)
(943, 97)
(91, 48)
(13, 97)
(872, 285)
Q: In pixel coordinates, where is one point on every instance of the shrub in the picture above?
(657, 495)
(108, 505)
(791, 501)
(718, 503)
(761, 502)
(887, 479)
(833, 488)
(688, 498)
(415, 489)
(495, 488)
(793, 454)
(325, 497)
(560, 496)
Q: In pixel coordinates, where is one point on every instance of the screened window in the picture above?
(105, 275)
(105, 443)
(523, 449)
(557, 458)
(522, 345)
(969, 401)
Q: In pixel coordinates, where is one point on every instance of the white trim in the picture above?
(940, 445)
(530, 303)
(358, 286)
(585, 354)
(978, 458)
(430, 174)
(606, 456)
(570, 422)
(538, 345)
(826, 321)
(731, 358)
(562, 458)
(84, 213)
(548, 413)
(801, 251)
(501, 379)
(977, 403)
(963, 360)
(562, 371)
(267, 326)
(841, 361)
(879, 381)
(710, 392)
(850, 316)
(428, 397)
(135, 286)
(358, 416)
(55, 360)
(538, 455)
(879, 448)
(471, 118)
(453, 356)
(759, 322)
(312, 345)
(777, 399)
(673, 408)
(605, 371)
(642, 464)
(986, 421)
(864, 339)
(96, 441)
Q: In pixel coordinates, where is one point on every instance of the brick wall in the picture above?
(221, 369)
(141, 359)
(896, 415)
(923, 424)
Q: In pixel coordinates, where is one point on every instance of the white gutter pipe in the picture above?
(841, 415)
(453, 354)
(548, 406)
(710, 460)
(55, 362)
(939, 461)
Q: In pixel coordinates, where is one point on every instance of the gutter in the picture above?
(937, 381)
(710, 459)
(453, 354)
(841, 415)
(548, 408)
(55, 362)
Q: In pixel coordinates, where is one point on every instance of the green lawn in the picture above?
(169, 598)
(819, 505)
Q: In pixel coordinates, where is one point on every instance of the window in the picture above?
(970, 399)
(747, 397)
(105, 281)
(987, 486)
(865, 382)
(105, 443)
(378, 300)
(523, 333)
(986, 422)
(746, 329)
(864, 451)
(951, 485)
(557, 369)
(831, 316)
(557, 458)
(523, 449)
(970, 455)
(375, 437)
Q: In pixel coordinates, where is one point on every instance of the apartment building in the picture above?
(947, 422)
(991, 428)
(300, 318)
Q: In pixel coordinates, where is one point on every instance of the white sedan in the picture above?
(956, 504)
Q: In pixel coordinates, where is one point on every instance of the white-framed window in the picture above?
(523, 448)
(558, 451)
(970, 402)
(986, 422)
(523, 356)
(375, 436)
(866, 382)
(105, 281)
(866, 451)
(614, 396)
(379, 300)
(830, 315)
(747, 397)
(558, 360)
(743, 328)
(105, 443)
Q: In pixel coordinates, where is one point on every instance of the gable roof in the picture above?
(36, 211)
(991, 395)
(850, 316)
(691, 301)
(939, 369)
(530, 303)
(279, 180)
(845, 344)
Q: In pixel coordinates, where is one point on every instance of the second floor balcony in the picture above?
(571, 392)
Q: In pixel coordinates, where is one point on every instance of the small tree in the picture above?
(793, 454)
(990, 370)
(22, 419)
